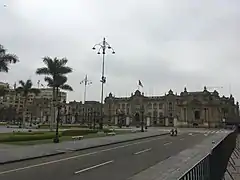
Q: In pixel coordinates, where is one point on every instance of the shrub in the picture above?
(76, 132)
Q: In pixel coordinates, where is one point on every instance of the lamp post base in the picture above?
(56, 140)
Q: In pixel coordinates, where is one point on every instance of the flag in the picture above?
(140, 83)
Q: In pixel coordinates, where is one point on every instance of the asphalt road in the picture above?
(118, 162)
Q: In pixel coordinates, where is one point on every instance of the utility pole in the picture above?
(86, 82)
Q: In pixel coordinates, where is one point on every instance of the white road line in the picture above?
(75, 157)
(93, 167)
(167, 143)
(145, 150)
(181, 139)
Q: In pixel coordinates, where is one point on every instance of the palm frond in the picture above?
(44, 71)
(49, 81)
(22, 83)
(28, 84)
(62, 62)
(66, 87)
(3, 66)
(2, 50)
(56, 69)
(10, 58)
(64, 70)
(60, 80)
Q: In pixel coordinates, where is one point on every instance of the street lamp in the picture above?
(102, 46)
(142, 120)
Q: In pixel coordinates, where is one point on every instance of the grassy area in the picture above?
(49, 141)
(33, 138)
(65, 126)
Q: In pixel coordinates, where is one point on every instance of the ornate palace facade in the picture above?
(188, 109)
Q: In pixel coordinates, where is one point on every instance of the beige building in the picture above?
(187, 109)
(38, 106)
(83, 113)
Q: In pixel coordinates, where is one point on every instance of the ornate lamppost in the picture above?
(102, 50)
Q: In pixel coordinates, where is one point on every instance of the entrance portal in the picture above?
(197, 115)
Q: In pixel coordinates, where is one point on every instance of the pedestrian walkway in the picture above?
(204, 131)
(15, 154)
(233, 168)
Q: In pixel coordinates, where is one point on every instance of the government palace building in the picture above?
(187, 109)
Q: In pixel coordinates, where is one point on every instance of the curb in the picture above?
(31, 158)
(81, 149)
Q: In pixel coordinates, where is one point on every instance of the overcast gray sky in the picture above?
(164, 43)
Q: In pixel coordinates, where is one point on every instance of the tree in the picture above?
(55, 72)
(25, 89)
(6, 59)
(55, 75)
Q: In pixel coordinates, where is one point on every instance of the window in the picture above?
(170, 106)
(160, 114)
(185, 114)
(149, 106)
(160, 106)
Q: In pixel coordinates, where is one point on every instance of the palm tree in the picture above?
(60, 83)
(55, 72)
(6, 59)
(25, 89)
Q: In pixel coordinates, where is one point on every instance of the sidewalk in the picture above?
(9, 155)
(175, 166)
(233, 169)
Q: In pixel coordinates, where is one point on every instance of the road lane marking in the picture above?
(77, 156)
(167, 143)
(181, 139)
(143, 151)
(93, 167)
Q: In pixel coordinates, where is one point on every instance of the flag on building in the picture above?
(140, 83)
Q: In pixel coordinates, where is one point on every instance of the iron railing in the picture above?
(214, 164)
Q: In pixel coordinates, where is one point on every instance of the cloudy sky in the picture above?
(164, 43)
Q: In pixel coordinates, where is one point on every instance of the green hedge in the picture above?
(65, 126)
(76, 132)
(28, 133)
(26, 137)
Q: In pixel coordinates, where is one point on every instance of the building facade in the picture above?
(188, 109)
(83, 113)
(38, 107)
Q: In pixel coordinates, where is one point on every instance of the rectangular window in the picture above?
(185, 114)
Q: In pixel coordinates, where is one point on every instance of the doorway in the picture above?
(197, 115)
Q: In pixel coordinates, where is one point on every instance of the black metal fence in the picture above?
(214, 164)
